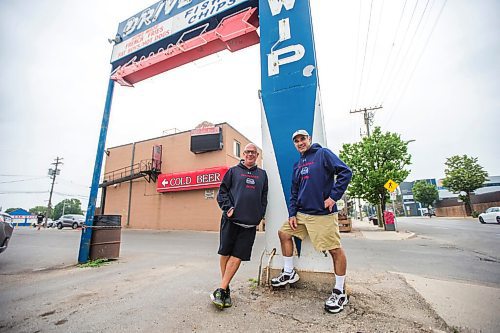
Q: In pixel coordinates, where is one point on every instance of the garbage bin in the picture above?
(389, 221)
(106, 237)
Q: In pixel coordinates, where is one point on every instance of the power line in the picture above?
(364, 55)
(21, 180)
(73, 183)
(71, 195)
(396, 59)
(4, 175)
(382, 77)
(356, 55)
(24, 192)
(417, 62)
(409, 47)
(374, 48)
(404, 76)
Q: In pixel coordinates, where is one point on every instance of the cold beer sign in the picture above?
(192, 180)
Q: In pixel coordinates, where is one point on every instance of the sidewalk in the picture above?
(458, 303)
(373, 232)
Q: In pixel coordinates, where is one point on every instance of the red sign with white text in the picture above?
(192, 180)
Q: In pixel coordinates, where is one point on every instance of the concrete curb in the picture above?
(372, 232)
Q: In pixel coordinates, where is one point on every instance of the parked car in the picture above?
(70, 220)
(6, 229)
(491, 215)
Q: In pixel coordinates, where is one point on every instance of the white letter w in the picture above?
(276, 5)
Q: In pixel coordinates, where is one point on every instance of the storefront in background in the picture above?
(171, 182)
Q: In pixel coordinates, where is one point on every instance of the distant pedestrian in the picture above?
(319, 179)
(39, 219)
(243, 200)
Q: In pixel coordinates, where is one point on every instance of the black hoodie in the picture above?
(245, 190)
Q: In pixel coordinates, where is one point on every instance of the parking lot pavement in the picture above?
(162, 281)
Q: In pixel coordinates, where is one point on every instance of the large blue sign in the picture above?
(169, 22)
(289, 78)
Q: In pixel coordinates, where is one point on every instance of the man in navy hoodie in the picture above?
(243, 200)
(319, 179)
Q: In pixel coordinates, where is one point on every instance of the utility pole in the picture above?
(368, 116)
(53, 173)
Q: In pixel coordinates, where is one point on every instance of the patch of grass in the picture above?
(94, 263)
(253, 283)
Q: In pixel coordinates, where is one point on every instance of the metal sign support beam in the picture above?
(83, 255)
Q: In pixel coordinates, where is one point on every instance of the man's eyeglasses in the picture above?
(250, 152)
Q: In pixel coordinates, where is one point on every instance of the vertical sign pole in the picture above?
(290, 100)
(83, 255)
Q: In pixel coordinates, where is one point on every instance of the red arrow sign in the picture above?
(192, 180)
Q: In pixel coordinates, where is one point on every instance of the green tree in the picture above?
(69, 206)
(464, 174)
(10, 210)
(38, 209)
(374, 161)
(425, 193)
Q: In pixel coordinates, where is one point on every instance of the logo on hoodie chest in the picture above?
(250, 180)
(305, 169)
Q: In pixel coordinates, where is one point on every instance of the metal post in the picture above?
(394, 211)
(83, 255)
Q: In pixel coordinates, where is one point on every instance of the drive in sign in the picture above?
(165, 22)
(192, 180)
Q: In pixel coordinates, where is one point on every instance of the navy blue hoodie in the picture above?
(245, 190)
(313, 181)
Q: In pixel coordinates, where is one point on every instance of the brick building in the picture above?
(171, 182)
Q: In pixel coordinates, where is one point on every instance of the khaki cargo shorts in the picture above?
(322, 229)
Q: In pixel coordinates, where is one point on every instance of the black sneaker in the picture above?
(285, 278)
(336, 302)
(227, 301)
(218, 297)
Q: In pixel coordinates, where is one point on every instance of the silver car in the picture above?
(6, 230)
(70, 220)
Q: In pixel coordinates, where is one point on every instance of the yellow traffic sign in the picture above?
(391, 185)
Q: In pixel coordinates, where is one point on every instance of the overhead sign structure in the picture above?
(171, 33)
(193, 180)
(391, 185)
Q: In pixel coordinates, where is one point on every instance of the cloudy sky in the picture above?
(432, 64)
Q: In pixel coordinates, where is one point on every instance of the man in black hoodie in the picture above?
(243, 200)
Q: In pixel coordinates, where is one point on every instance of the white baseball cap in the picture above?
(300, 132)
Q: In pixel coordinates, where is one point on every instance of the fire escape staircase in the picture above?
(142, 169)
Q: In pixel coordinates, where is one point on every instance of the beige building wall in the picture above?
(183, 210)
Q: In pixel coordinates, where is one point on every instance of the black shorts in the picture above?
(235, 240)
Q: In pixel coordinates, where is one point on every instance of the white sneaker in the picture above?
(285, 278)
(336, 302)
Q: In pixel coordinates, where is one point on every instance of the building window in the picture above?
(237, 149)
